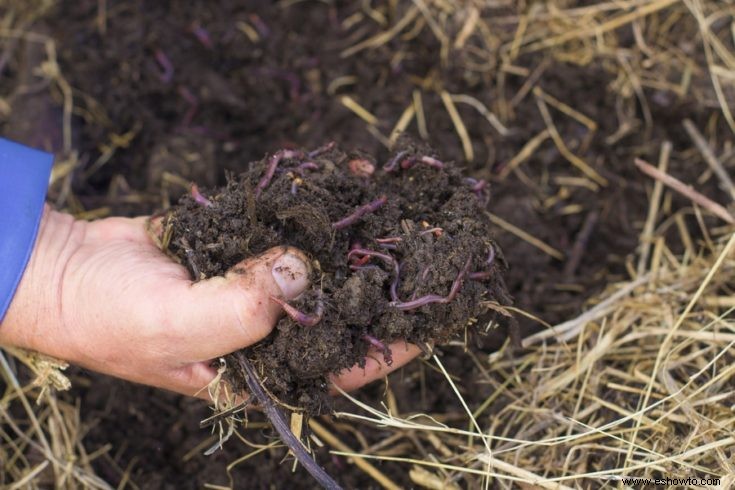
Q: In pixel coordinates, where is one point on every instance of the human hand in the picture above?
(103, 296)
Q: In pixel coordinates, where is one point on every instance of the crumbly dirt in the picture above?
(281, 91)
(418, 230)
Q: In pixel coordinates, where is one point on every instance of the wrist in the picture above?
(35, 319)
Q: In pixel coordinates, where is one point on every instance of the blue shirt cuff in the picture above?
(24, 178)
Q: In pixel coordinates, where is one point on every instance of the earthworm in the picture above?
(386, 258)
(321, 150)
(479, 276)
(381, 347)
(300, 317)
(359, 213)
(436, 231)
(199, 197)
(201, 34)
(478, 187)
(306, 166)
(390, 239)
(189, 97)
(273, 162)
(295, 185)
(260, 26)
(393, 162)
(430, 161)
(165, 63)
(388, 246)
(435, 298)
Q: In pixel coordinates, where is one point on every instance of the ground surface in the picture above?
(157, 106)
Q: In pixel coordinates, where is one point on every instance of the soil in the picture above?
(138, 136)
(380, 237)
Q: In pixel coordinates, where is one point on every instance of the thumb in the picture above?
(222, 314)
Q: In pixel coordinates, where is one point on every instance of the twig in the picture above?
(654, 204)
(524, 235)
(685, 190)
(279, 423)
(459, 126)
(580, 243)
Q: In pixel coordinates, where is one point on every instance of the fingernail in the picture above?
(291, 273)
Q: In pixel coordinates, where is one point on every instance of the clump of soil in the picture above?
(400, 250)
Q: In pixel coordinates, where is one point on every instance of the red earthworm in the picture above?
(165, 63)
(260, 26)
(359, 213)
(381, 347)
(436, 231)
(393, 162)
(306, 166)
(478, 187)
(435, 298)
(321, 150)
(189, 97)
(386, 258)
(199, 198)
(390, 239)
(430, 161)
(300, 317)
(201, 34)
(270, 170)
(479, 276)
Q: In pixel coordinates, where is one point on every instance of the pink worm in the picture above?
(270, 170)
(199, 197)
(359, 213)
(300, 317)
(435, 298)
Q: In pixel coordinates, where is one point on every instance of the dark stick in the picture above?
(279, 423)
(580, 243)
(370, 207)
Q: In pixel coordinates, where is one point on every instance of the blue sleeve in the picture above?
(24, 177)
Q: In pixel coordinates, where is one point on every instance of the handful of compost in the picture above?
(401, 251)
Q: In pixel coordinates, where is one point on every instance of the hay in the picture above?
(641, 388)
(640, 384)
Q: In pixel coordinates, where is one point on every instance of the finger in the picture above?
(220, 315)
(116, 228)
(375, 366)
